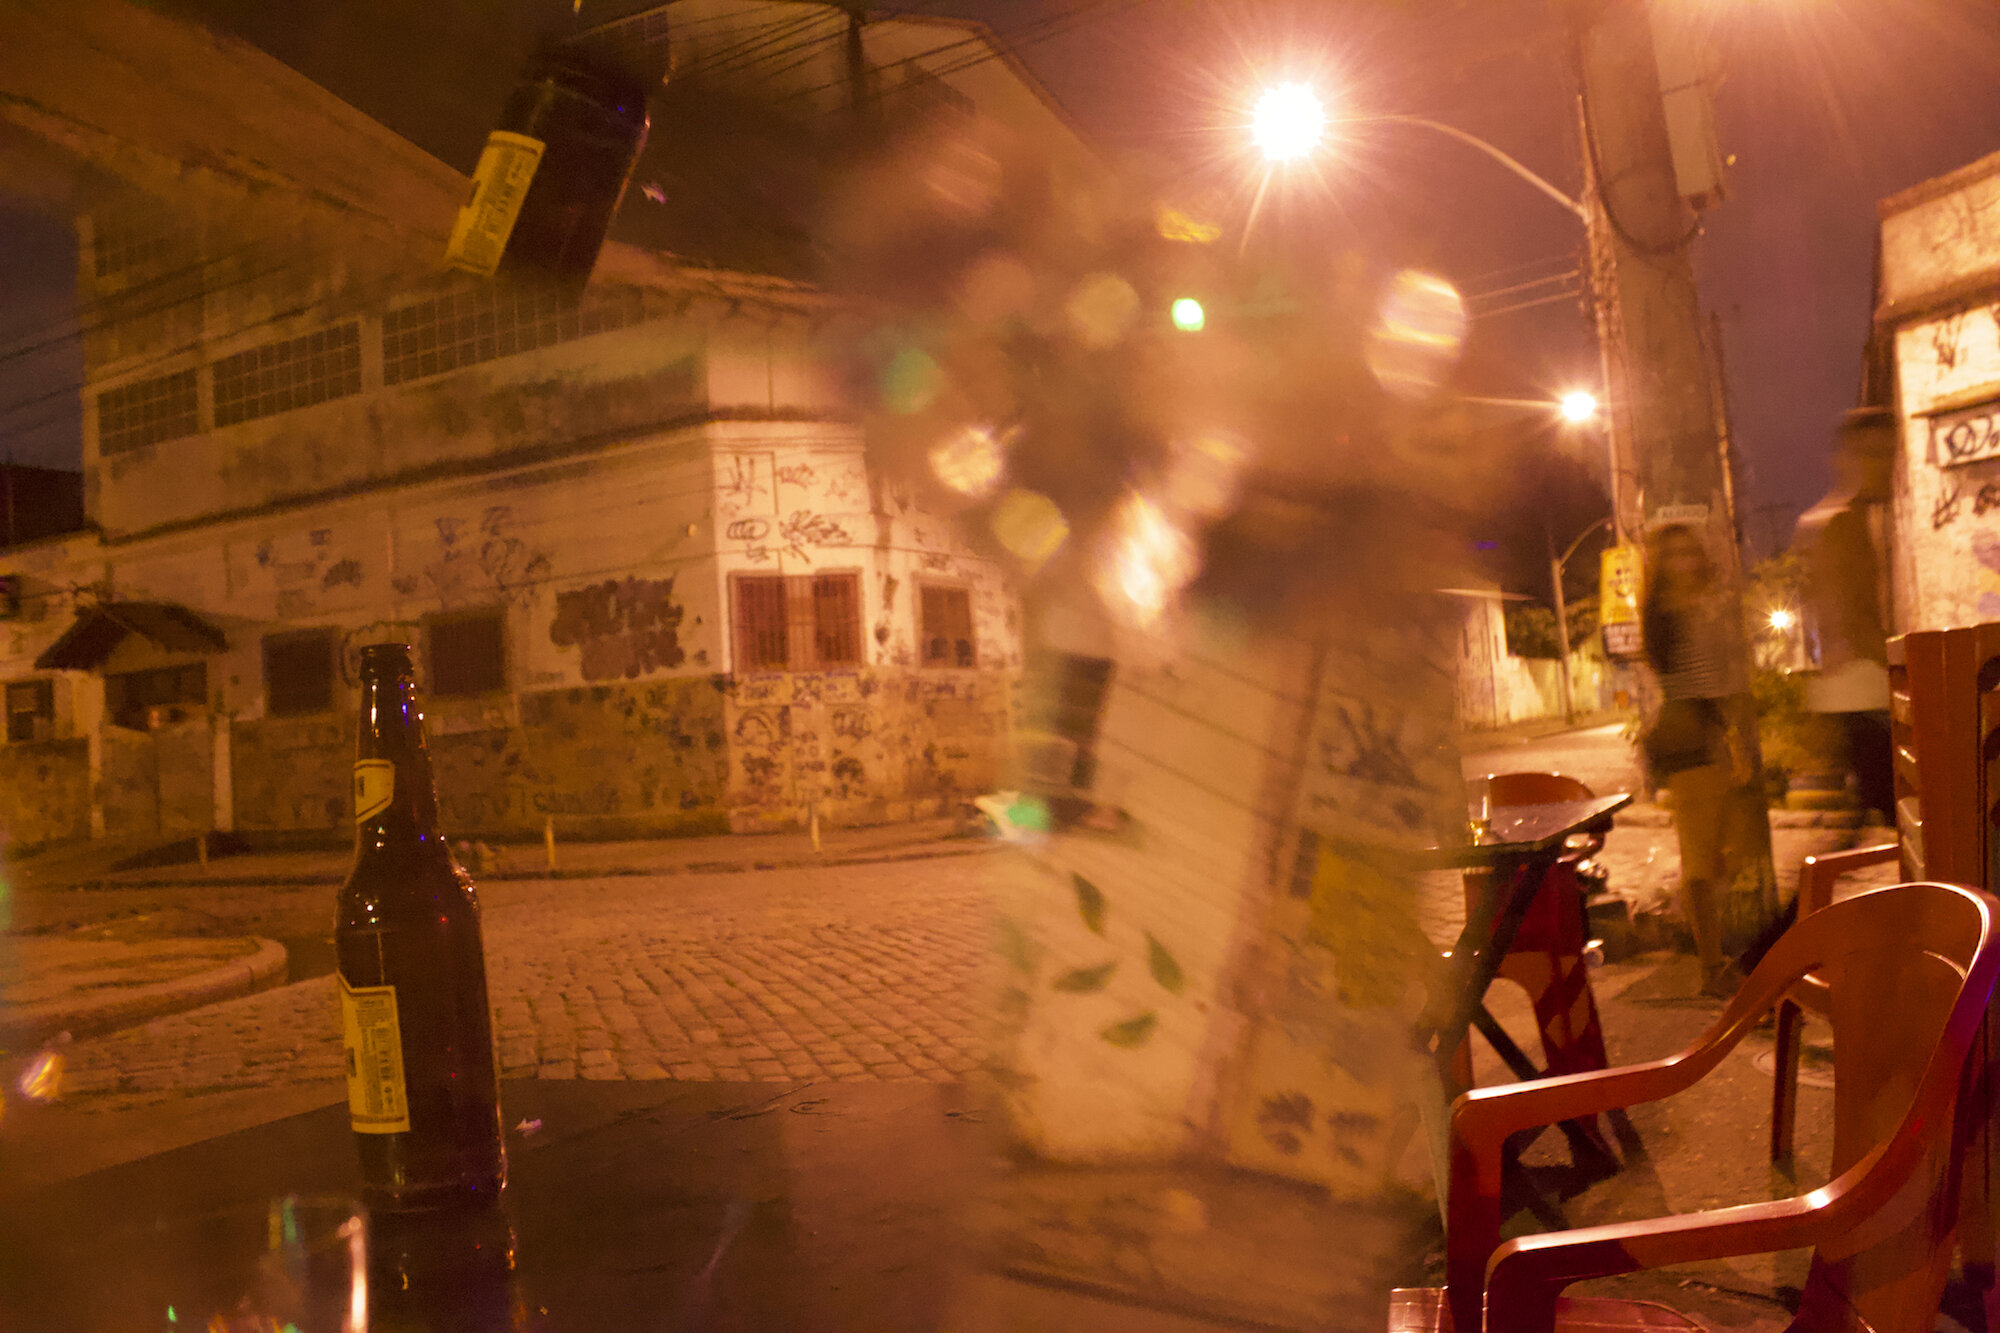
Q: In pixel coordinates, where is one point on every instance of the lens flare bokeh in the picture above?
(971, 462)
(1417, 336)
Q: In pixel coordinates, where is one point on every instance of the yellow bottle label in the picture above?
(374, 787)
(499, 184)
(377, 1102)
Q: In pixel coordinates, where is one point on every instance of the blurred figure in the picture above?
(1842, 539)
(1686, 622)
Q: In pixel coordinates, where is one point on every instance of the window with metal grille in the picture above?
(945, 626)
(800, 622)
(464, 653)
(298, 672)
(31, 710)
(132, 698)
(146, 412)
(474, 324)
(288, 374)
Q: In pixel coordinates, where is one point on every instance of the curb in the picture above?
(920, 853)
(37, 1023)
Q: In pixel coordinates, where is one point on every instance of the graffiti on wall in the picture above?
(475, 561)
(624, 628)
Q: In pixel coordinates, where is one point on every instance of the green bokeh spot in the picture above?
(1133, 1031)
(909, 381)
(1086, 980)
(1089, 903)
(1165, 967)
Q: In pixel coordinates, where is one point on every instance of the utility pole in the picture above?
(1643, 230)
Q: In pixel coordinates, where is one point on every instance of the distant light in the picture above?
(1579, 406)
(1150, 559)
(41, 1081)
(1287, 122)
(1189, 317)
(970, 462)
(1782, 620)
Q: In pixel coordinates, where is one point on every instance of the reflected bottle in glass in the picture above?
(444, 1273)
(422, 1091)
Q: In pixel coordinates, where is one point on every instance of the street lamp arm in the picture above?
(1579, 540)
(1504, 159)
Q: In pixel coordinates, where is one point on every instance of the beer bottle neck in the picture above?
(395, 797)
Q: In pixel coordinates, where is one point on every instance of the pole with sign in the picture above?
(1619, 581)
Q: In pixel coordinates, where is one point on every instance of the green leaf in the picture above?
(1086, 980)
(1133, 1031)
(1089, 903)
(1015, 946)
(1166, 970)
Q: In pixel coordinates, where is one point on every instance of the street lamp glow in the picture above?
(1579, 406)
(1287, 122)
(1188, 315)
(1782, 620)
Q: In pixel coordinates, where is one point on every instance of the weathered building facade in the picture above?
(651, 580)
(1938, 316)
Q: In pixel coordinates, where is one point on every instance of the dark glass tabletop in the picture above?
(1526, 830)
(656, 1206)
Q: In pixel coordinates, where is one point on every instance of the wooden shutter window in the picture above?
(799, 622)
(946, 615)
(761, 638)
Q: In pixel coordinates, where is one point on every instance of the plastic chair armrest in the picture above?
(1818, 873)
(1527, 1275)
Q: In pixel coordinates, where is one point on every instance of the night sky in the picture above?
(1828, 105)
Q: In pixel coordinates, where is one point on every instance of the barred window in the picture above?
(289, 373)
(464, 653)
(31, 710)
(946, 629)
(801, 622)
(298, 672)
(474, 324)
(132, 698)
(762, 635)
(146, 412)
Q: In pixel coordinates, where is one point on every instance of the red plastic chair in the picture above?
(1817, 875)
(1546, 959)
(1909, 971)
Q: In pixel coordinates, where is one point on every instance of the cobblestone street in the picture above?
(857, 972)
(847, 972)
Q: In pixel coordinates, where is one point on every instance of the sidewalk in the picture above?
(718, 854)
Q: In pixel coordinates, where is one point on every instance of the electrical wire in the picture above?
(1528, 305)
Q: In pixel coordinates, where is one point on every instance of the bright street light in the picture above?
(1188, 315)
(1287, 122)
(1782, 620)
(1579, 406)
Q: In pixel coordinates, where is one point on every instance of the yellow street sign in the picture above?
(1618, 586)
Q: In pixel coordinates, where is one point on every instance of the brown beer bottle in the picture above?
(422, 1092)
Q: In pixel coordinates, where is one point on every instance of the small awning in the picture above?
(98, 630)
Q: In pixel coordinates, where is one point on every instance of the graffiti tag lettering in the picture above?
(748, 530)
(1946, 508)
(804, 528)
(624, 628)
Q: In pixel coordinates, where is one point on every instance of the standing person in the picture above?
(1687, 628)
(1842, 537)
